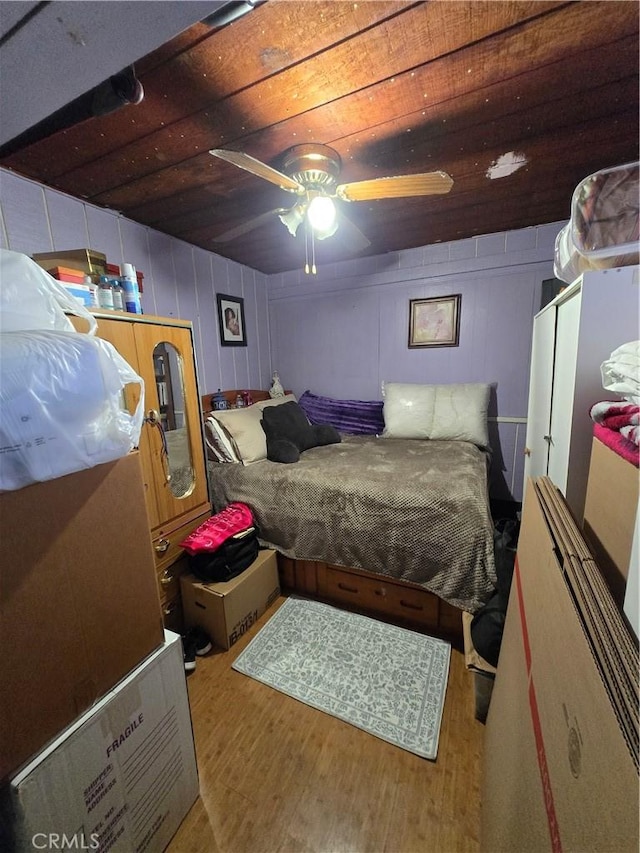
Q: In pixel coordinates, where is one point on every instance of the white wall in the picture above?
(345, 331)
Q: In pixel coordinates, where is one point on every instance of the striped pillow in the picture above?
(352, 417)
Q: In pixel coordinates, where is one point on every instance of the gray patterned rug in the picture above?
(389, 681)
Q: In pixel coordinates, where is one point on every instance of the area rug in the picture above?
(389, 681)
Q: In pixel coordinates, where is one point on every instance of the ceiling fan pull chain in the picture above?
(313, 252)
(306, 248)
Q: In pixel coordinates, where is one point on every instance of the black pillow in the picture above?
(289, 433)
(325, 434)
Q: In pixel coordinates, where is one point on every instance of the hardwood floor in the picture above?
(276, 775)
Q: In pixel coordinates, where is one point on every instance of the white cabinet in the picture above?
(572, 336)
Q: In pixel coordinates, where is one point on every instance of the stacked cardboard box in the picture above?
(73, 280)
(611, 521)
(79, 604)
(123, 776)
(96, 744)
(87, 260)
(67, 274)
(227, 610)
(561, 749)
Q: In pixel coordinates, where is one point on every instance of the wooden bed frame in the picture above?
(401, 602)
(231, 396)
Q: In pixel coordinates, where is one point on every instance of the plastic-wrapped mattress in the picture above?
(602, 232)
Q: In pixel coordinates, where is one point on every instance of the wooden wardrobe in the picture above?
(171, 448)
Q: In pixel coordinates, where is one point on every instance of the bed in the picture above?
(393, 524)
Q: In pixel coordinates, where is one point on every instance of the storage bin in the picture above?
(602, 232)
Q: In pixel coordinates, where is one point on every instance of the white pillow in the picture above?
(244, 429)
(276, 401)
(408, 410)
(444, 412)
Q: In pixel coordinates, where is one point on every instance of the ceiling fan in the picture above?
(311, 173)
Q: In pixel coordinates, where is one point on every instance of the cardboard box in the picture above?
(610, 511)
(67, 274)
(82, 292)
(226, 610)
(87, 260)
(558, 772)
(124, 776)
(79, 602)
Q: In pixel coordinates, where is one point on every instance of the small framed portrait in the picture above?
(434, 322)
(231, 321)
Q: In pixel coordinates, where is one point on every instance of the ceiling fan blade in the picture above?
(351, 235)
(426, 183)
(249, 225)
(257, 167)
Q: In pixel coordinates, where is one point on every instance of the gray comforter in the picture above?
(416, 510)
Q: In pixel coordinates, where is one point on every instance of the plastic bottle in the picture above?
(105, 293)
(131, 294)
(118, 295)
(93, 291)
(239, 401)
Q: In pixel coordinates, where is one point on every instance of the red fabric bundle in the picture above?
(212, 533)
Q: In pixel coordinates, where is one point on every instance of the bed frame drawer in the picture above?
(394, 600)
(380, 595)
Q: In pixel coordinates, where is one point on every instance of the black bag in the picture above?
(229, 560)
(487, 626)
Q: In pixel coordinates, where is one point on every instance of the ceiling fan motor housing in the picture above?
(316, 167)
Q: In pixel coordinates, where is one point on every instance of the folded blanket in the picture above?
(617, 424)
(621, 372)
(619, 416)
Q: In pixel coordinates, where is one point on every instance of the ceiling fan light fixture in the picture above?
(329, 232)
(322, 215)
(293, 218)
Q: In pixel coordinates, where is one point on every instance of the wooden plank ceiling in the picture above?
(395, 88)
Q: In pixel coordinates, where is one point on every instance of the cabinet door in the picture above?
(540, 392)
(121, 335)
(165, 362)
(564, 383)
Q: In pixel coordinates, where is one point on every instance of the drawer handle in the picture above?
(410, 605)
(162, 546)
(346, 588)
(382, 592)
(166, 578)
(170, 609)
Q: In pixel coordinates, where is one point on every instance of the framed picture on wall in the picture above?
(434, 322)
(231, 321)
